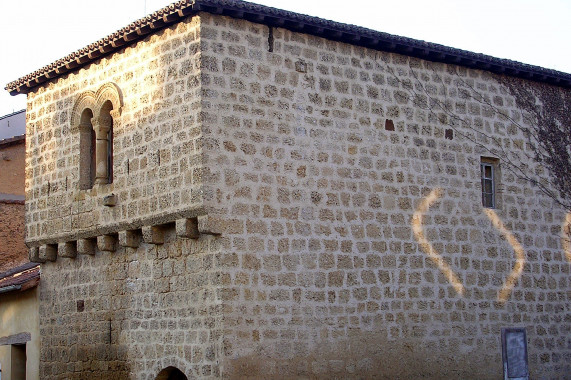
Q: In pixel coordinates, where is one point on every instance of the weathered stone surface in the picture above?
(47, 252)
(130, 238)
(106, 243)
(153, 234)
(210, 225)
(67, 249)
(34, 255)
(86, 246)
(187, 228)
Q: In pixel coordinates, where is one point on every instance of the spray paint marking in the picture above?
(425, 244)
(515, 274)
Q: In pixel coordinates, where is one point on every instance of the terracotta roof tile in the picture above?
(289, 20)
(20, 278)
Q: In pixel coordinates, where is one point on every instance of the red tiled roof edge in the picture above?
(17, 269)
(289, 20)
(20, 278)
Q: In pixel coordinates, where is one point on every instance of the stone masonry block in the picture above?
(209, 225)
(187, 228)
(48, 252)
(67, 249)
(153, 234)
(34, 255)
(130, 238)
(106, 243)
(86, 247)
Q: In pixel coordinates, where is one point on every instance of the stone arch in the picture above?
(86, 100)
(94, 115)
(81, 121)
(109, 103)
(171, 373)
(109, 92)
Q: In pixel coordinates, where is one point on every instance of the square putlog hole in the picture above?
(80, 306)
(389, 125)
(449, 134)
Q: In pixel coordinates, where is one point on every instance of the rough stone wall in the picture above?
(131, 313)
(358, 245)
(12, 164)
(156, 141)
(13, 251)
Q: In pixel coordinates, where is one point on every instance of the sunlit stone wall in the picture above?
(126, 290)
(360, 245)
(156, 142)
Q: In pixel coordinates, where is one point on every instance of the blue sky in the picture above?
(34, 33)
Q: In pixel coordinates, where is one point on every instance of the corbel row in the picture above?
(187, 228)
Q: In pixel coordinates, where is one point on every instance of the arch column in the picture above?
(102, 127)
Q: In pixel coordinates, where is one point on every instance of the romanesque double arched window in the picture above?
(93, 117)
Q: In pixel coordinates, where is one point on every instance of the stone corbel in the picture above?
(34, 255)
(153, 234)
(67, 249)
(48, 252)
(106, 243)
(86, 247)
(187, 228)
(130, 238)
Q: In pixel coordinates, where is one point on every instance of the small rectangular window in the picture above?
(489, 177)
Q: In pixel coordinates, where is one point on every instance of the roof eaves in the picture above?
(332, 30)
(21, 280)
(21, 268)
(12, 141)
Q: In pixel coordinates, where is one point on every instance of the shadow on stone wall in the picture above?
(371, 355)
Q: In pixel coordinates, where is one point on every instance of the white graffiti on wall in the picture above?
(508, 285)
(517, 270)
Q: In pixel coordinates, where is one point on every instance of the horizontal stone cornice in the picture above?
(115, 228)
(186, 228)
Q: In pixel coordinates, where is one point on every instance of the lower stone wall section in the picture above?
(13, 251)
(131, 313)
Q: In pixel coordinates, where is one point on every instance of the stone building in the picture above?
(223, 189)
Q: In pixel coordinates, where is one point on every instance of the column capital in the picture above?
(102, 126)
